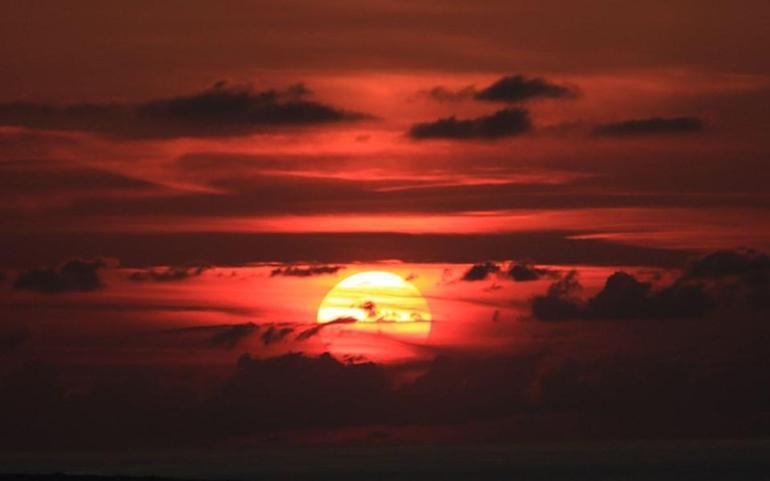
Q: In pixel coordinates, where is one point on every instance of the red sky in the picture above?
(182, 151)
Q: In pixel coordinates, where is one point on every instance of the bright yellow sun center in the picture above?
(379, 302)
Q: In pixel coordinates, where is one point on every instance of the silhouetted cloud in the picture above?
(503, 123)
(543, 394)
(315, 330)
(517, 88)
(733, 277)
(275, 333)
(305, 271)
(74, 275)
(171, 274)
(222, 248)
(480, 272)
(560, 301)
(747, 264)
(744, 273)
(221, 335)
(440, 93)
(221, 110)
(524, 272)
(650, 126)
(232, 335)
(624, 297)
(298, 390)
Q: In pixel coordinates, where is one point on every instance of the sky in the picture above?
(573, 196)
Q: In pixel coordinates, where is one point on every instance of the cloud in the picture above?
(230, 336)
(221, 110)
(141, 249)
(440, 93)
(302, 391)
(509, 89)
(543, 394)
(308, 271)
(275, 333)
(480, 272)
(39, 179)
(517, 271)
(524, 272)
(733, 278)
(74, 275)
(561, 300)
(623, 297)
(503, 123)
(222, 335)
(650, 126)
(747, 264)
(744, 273)
(315, 330)
(171, 274)
(518, 88)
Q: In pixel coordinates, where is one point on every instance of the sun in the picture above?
(377, 302)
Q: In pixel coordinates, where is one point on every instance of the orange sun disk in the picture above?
(380, 302)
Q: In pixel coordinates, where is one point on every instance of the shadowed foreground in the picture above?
(696, 460)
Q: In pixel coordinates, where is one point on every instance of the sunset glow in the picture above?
(260, 227)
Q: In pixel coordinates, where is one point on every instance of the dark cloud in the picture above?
(527, 396)
(726, 278)
(275, 333)
(229, 107)
(315, 330)
(480, 272)
(230, 336)
(301, 391)
(171, 274)
(551, 247)
(503, 123)
(440, 93)
(221, 110)
(524, 272)
(244, 191)
(306, 271)
(560, 301)
(517, 88)
(221, 335)
(747, 264)
(623, 297)
(74, 275)
(40, 179)
(744, 273)
(650, 126)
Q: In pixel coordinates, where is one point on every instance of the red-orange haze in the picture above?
(236, 223)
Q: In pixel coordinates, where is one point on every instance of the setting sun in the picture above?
(380, 302)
